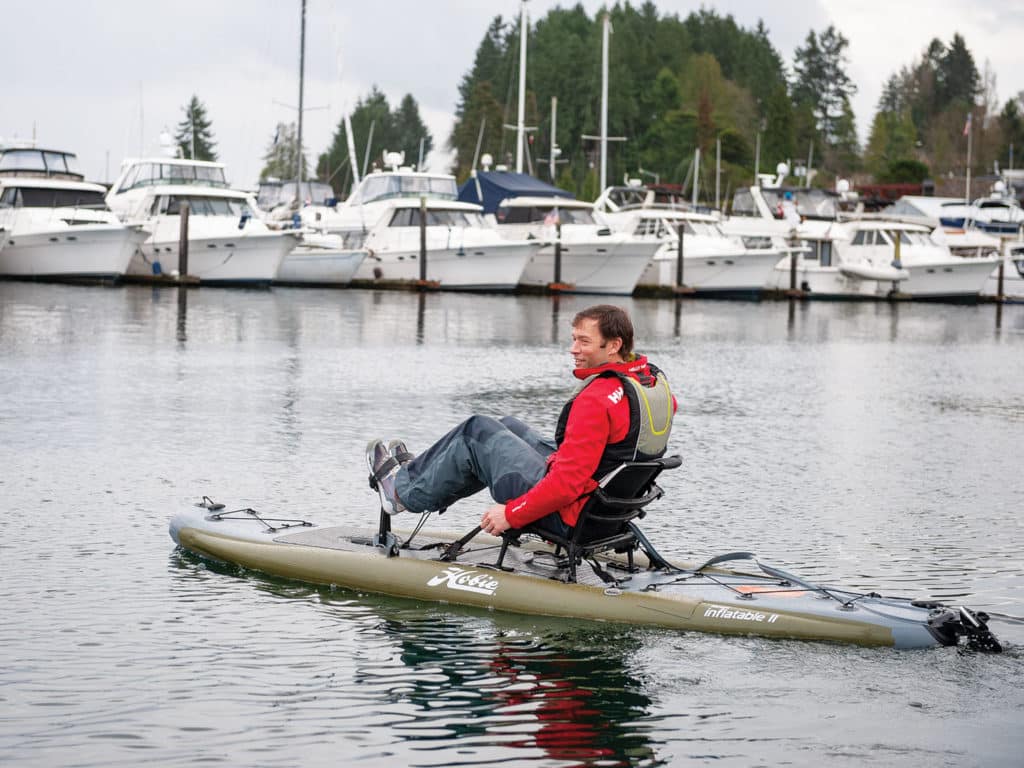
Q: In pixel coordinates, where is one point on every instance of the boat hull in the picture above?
(99, 252)
(320, 260)
(495, 266)
(611, 265)
(721, 274)
(956, 278)
(245, 258)
(711, 601)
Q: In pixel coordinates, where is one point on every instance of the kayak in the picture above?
(644, 589)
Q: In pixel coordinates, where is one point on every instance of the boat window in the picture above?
(882, 238)
(444, 187)
(743, 203)
(825, 253)
(815, 204)
(647, 228)
(129, 180)
(811, 254)
(32, 197)
(55, 162)
(756, 242)
(861, 238)
(905, 238)
(8, 197)
(22, 160)
(269, 195)
(353, 239)
(1020, 266)
(542, 214)
(207, 206)
(211, 176)
(403, 217)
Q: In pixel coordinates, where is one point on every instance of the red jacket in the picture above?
(599, 416)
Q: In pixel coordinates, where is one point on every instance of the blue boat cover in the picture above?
(489, 188)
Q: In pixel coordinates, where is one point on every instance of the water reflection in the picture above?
(182, 324)
(500, 682)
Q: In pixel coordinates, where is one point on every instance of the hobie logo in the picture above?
(465, 581)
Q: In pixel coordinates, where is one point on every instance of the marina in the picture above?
(244, 305)
(874, 444)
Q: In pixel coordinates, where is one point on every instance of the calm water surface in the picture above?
(875, 446)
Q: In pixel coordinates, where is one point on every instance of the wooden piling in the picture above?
(423, 239)
(558, 253)
(183, 242)
(680, 287)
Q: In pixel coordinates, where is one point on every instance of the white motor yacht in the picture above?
(859, 258)
(591, 257)
(56, 225)
(226, 242)
(320, 258)
(383, 215)
(999, 213)
(713, 263)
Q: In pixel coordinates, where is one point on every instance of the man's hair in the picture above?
(613, 323)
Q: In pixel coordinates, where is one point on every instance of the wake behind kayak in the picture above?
(530, 576)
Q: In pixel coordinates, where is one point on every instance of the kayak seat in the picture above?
(621, 496)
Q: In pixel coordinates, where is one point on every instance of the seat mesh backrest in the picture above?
(630, 482)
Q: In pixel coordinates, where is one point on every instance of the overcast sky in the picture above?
(103, 78)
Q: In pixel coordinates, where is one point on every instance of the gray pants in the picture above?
(503, 455)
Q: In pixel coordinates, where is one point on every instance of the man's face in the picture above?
(589, 349)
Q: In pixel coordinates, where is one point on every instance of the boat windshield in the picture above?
(200, 206)
(382, 186)
(628, 197)
(38, 162)
(150, 174)
(543, 214)
(810, 203)
(661, 228)
(436, 217)
(36, 197)
(743, 203)
(275, 193)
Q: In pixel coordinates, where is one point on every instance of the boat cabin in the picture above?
(384, 185)
(137, 174)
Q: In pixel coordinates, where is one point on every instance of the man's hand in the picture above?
(494, 521)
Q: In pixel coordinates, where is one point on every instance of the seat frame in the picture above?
(621, 497)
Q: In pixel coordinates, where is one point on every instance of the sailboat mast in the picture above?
(521, 121)
(554, 136)
(302, 74)
(604, 100)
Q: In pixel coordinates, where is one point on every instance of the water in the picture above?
(876, 446)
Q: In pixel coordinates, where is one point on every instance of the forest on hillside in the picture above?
(703, 81)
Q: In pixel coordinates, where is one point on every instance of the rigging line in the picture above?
(416, 530)
(240, 514)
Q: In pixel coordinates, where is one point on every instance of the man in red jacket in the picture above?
(623, 410)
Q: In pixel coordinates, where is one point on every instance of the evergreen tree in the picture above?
(1011, 124)
(194, 137)
(958, 79)
(822, 86)
(409, 131)
(394, 131)
(281, 160)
